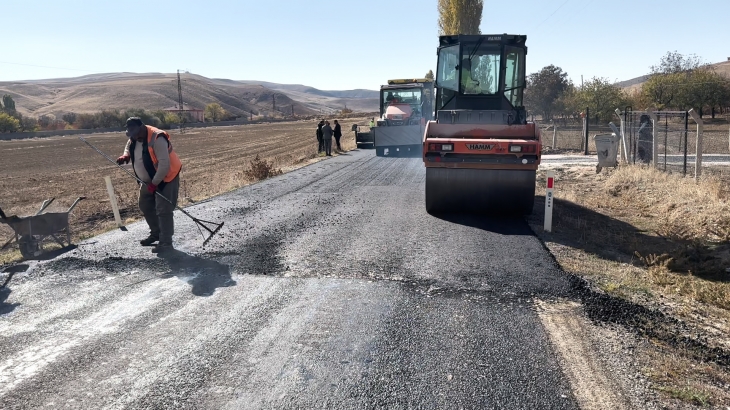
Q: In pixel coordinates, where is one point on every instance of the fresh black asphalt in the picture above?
(329, 287)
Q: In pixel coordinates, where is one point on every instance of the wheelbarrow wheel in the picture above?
(28, 246)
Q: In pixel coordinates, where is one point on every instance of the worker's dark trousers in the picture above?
(320, 141)
(337, 140)
(328, 146)
(158, 212)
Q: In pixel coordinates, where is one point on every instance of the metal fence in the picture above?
(676, 134)
(571, 136)
(672, 133)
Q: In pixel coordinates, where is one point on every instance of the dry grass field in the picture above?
(215, 160)
(659, 241)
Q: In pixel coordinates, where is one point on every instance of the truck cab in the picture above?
(406, 102)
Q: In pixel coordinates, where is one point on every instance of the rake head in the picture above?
(211, 227)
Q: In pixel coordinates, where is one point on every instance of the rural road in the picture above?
(329, 287)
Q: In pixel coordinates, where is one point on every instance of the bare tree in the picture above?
(460, 16)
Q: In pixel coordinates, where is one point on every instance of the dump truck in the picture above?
(480, 152)
(405, 107)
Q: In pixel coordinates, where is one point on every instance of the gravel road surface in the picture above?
(329, 287)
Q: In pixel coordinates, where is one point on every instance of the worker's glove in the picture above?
(124, 159)
(151, 188)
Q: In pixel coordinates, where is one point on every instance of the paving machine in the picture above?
(405, 107)
(481, 154)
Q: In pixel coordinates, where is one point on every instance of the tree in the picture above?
(69, 117)
(704, 88)
(601, 97)
(215, 112)
(28, 124)
(429, 75)
(8, 104)
(545, 90)
(460, 16)
(662, 90)
(673, 63)
(8, 123)
(683, 82)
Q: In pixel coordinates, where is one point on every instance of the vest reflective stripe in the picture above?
(175, 164)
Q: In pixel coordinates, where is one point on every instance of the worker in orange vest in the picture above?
(158, 166)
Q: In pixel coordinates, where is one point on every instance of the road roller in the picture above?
(480, 152)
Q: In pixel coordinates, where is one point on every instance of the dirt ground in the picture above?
(653, 250)
(214, 161)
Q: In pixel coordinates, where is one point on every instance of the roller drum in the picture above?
(480, 190)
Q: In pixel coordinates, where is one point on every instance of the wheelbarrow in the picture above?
(31, 232)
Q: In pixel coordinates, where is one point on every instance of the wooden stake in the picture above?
(113, 201)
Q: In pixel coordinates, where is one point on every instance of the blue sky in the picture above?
(340, 44)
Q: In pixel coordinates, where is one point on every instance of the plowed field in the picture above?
(214, 161)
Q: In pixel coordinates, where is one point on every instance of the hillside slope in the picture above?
(327, 100)
(153, 91)
(722, 68)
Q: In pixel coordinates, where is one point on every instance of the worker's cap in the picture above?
(133, 122)
(132, 125)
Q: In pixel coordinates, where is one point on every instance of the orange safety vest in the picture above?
(151, 162)
(175, 164)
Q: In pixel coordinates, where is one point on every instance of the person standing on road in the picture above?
(337, 133)
(158, 166)
(320, 143)
(372, 123)
(327, 138)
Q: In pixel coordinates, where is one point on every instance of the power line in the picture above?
(571, 15)
(556, 10)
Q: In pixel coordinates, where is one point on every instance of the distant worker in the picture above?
(320, 141)
(158, 166)
(372, 122)
(327, 137)
(337, 133)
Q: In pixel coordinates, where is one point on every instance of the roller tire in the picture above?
(479, 191)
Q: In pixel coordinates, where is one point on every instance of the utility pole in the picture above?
(273, 98)
(180, 101)
(292, 110)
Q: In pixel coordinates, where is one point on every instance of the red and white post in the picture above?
(549, 201)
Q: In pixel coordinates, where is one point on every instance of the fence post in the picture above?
(588, 113)
(622, 137)
(654, 121)
(555, 135)
(698, 153)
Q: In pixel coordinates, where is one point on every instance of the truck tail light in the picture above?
(523, 149)
(440, 147)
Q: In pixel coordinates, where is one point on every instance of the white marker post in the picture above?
(549, 201)
(113, 201)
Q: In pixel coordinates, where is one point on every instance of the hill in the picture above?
(153, 91)
(721, 68)
(357, 100)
